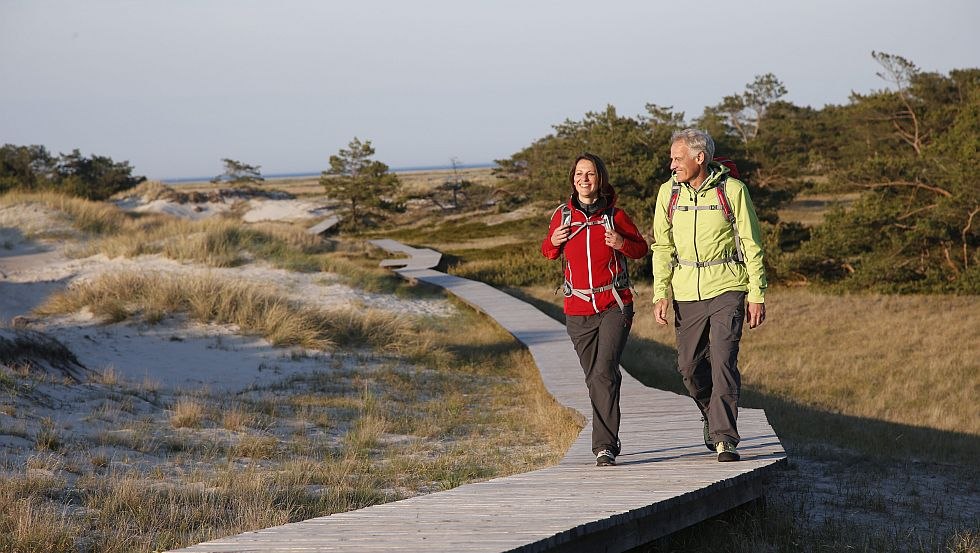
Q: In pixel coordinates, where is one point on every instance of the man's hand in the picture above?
(660, 311)
(560, 235)
(755, 314)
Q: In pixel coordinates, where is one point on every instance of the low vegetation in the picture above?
(456, 400)
(116, 297)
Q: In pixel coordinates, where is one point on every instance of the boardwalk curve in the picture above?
(665, 479)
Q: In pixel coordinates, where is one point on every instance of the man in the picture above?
(712, 265)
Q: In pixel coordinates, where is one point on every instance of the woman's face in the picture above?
(586, 181)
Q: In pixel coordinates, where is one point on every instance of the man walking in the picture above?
(708, 251)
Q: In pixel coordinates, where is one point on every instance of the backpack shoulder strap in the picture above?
(675, 192)
(726, 208)
(609, 218)
(566, 213)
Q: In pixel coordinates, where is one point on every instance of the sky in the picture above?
(174, 86)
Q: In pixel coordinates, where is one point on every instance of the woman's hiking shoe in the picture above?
(726, 452)
(707, 435)
(605, 458)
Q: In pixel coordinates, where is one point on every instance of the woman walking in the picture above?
(594, 238)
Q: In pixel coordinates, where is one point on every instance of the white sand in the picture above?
(166, 360)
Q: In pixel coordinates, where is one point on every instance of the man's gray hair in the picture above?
(697, 141)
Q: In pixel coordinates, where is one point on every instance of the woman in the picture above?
(595, 238)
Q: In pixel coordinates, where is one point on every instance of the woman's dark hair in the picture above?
(605, 189)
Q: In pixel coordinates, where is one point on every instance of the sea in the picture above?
(184, 180)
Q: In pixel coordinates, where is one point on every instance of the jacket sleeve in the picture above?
(663, 247)
(751, 235)
(635, 246)
(547, 248)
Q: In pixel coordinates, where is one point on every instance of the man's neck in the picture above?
(697, 181)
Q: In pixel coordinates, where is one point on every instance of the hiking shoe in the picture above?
(707, 436)
(605, 458)
(726, 452)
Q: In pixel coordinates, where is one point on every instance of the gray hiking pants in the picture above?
(599, 341)
(708, 332)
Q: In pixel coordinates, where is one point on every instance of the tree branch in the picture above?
(949, 261)
(913, 212)
(966, 229)
(936, 189)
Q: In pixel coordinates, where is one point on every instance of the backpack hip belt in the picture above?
(585, 294)
(702, 264)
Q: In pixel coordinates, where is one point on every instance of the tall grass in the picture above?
(458, 400)
(87, 216)
(218, 242)
(884, 375)
(251, 307)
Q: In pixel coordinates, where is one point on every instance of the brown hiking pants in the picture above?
(708, 332)
(599, 341)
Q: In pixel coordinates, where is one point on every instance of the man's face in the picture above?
(684, 167)
(586, 180)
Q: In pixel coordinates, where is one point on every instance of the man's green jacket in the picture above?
(705, 236)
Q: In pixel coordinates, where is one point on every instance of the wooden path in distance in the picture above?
(665, 479)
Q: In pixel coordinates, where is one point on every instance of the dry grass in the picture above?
(32, 525)
(900, 359)
(250, 307)
(108, 376)
(88, 216)
(885, 375)
(149, 191)
(218, 242)
(236, 418)
(450, 401)
(187, 413)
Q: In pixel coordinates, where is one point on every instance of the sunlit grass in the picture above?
(251, 307)
(435, 404)
(880, 374)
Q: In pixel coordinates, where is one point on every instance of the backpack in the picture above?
(622, 280)
(726, 208)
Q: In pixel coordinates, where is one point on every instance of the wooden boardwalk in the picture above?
(665, 479)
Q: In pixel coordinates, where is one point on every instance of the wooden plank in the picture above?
(665, 480)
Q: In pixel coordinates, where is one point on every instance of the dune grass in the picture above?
(208, 298)
(884, 375)
(429, 405)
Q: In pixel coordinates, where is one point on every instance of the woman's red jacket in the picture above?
(590, 263)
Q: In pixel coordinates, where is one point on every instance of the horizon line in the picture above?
(297, 175)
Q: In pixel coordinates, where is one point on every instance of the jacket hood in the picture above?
(716, 173)
(610, 200)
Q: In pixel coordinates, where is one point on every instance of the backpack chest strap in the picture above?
(582, 226)
(699, 207)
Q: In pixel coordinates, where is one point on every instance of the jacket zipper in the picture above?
(588, 258)
(697, 256)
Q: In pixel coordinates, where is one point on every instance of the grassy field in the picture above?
(873, 397)
(402, 405)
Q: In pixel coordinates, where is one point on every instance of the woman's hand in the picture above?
(614, 240)
(560, 235)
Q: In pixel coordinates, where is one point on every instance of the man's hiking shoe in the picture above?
(726, 452)
(707, 436)
(605, 458)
